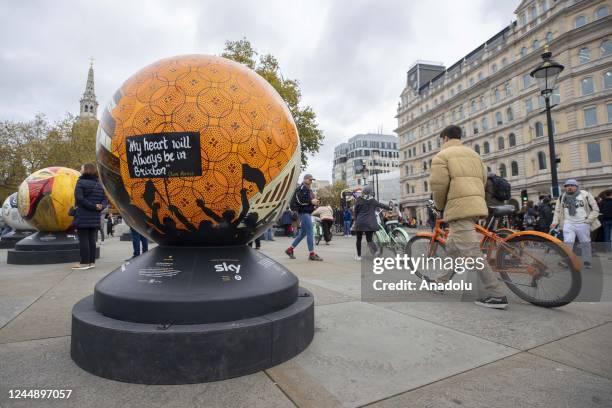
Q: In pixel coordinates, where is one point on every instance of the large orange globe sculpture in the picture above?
(45, 197)
(198, 150)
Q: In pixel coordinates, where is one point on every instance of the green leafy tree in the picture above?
(27, 146)
(289, 89)
(330, 195)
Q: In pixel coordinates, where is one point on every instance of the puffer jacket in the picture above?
(324, 212)
(87, 193)
(457, 181)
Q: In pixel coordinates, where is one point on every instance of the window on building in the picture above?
(482, 102)
(535, 45)
(584, 55)
(601, 12)
(586, 86)
(528, 105)
(471, 81)
(593, 152)
(473, 106)
(607, 80)
(580, 21)
(461, 112)
(524, 52)
(511, 140)
(609, 106)
(424, 165)
(523, 19)
(407, 188)
(532, 13)
(477, 148)
(484, 123)
(504, 61)
(429, 145)
(501, 143)
(514, 168)
(549, 37)
(539, 129)
(498, 118)
(494, 68)
(475, 127)
(509, 114)
(508, 89)
(555, 98)
(526, 81)
(502, 171)
(497, 95)
(486, 148)
(590, 116)
(459, 88)
(542, 160)
(605, 48)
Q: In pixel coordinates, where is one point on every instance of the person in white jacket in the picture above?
(326, 214)
(576, 213)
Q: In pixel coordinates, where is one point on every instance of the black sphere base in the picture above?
(192, 285)
(126, 236)
(46, 248)
(181, 315)
(10, 239)
(186, 354)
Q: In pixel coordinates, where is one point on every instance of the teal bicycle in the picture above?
(390, 235)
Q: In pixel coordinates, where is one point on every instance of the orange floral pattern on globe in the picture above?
(239, 116)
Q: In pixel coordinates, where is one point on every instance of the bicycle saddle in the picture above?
(501, 210)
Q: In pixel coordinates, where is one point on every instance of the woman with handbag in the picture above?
(90, 201)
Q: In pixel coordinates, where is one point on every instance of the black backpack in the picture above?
(293, 204)
(501, 188)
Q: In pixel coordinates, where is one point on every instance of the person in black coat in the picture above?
(89, 201)
(365, 219)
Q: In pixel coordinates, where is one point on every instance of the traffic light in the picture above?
(524, 197)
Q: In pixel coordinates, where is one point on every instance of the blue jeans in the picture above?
(138, 239)
(305, 231)
(347, 228)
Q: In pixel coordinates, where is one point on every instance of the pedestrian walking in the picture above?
(545, 214)
(286, 221)
(326, 214)
(138, 241)
(576, 214)
(347, 219)
(457, 180)
(606, 218)
(303, 202)
(109, 225)
(89, 201)
(365, 219)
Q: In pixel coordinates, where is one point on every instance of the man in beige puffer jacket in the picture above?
(457, 180)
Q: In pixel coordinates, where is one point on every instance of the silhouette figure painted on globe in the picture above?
(45, 197)
(198, 150)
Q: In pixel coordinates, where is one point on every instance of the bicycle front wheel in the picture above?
(538, 270)
(422, 247)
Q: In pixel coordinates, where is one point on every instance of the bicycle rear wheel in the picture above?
(538, 271)
(421, 246)
(400, 241)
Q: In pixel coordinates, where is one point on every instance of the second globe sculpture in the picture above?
(44, 199)
(201, 155)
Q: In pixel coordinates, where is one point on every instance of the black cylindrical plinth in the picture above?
(179, 315)
(185, 354)
(46, 248)
(187, 285)
(10, 239)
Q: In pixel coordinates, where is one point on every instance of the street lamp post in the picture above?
(546, 73)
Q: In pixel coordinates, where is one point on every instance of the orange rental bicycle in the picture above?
(535, 266)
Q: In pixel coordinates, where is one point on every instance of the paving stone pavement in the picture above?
(402, 354)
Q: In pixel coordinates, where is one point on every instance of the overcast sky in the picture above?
(350, 57)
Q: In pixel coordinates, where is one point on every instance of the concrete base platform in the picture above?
(186, 354)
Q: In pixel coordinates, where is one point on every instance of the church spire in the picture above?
(89, 105)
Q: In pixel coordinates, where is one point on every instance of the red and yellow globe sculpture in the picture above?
(198, 150)
(45, 197)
